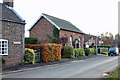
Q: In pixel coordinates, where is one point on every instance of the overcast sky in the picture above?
(90, 16)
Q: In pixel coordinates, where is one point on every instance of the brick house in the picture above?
(90, 40)
(11, 34)
(45, 25)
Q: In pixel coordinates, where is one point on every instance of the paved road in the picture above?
(89, 68)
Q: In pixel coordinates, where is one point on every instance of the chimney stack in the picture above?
(8, 2)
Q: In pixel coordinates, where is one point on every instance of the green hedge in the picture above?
(79, 52)
(3, 61)
(29, 56)
(30, 40)
(103, 50)
(90, 51)
(103, 46)
(68, 52)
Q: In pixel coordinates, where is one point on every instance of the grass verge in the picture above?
(114, 76)
(105, 53)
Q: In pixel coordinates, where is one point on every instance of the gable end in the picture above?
(46, 19)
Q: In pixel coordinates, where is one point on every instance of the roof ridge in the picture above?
(56, 17)
(59, 23)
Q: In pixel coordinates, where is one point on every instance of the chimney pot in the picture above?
(8, 2)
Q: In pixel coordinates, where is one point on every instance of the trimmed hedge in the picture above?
(103, 46)
(51, 52)
(29, 56)
(79, 52)
(68, 52)
(34, 47)
(30, 40)
(90, 51)
(103, 50)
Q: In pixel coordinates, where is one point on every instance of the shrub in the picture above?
(3, 60)
(68, 52)
(51, 52)
(103, 46)
(29, 56)
(30, 40)
(81, 52)
(89, 51)
(76, 51)
(103, 50)
(55, 35)
(63, 40)
(34, 47)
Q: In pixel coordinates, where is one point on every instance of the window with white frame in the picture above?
(3, 47)
(70, 40)
(79, 42)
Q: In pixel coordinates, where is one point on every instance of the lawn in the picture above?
(115, 75)
(105, 53)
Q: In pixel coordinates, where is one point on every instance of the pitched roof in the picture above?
(87, 37)
(59, 23)
(9, 14)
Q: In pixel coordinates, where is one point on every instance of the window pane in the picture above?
(2, 49)
(2, 52)
(2, 42)
(2, 45)
(5, 48)
(5, 52)
(5, 42)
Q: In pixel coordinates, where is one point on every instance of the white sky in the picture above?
(90, 16)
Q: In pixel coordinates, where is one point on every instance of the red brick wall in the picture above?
(44, 27)
(41, 29)
(74, 36)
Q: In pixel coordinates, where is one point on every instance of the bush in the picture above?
(34, 47)
(30, 40)
(90, 51)
(103, 50)
(103, 46)
(79, 52)
(29, 56)
(76, 51)
(3, 60)
(51, 52)
(68, 52)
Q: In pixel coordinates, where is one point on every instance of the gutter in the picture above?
(13, 21)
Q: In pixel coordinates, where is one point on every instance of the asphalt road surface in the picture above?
(89, 68)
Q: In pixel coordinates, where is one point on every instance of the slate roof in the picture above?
(60, 23)
(9, 14)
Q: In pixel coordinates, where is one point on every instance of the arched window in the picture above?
(79, 42)
(71, 40)
(3, 47)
